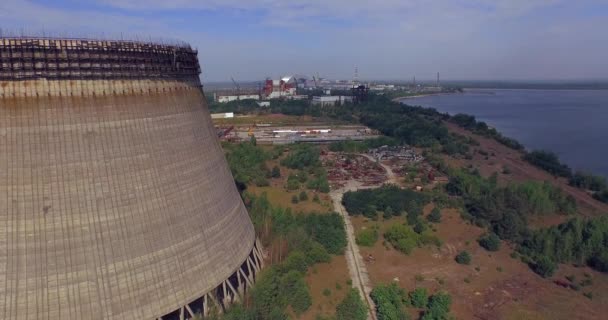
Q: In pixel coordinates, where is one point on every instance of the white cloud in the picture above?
(385, 38)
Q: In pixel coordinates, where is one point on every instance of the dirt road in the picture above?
(356, 265)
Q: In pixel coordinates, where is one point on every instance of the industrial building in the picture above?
(284, 87)
(223, 97)
(325, 101)
(116, 201)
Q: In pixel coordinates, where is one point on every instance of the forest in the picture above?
(578, 241)
(504, 210)
(309, 238)
(389, 199)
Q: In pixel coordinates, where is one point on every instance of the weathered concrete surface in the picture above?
(113, 204)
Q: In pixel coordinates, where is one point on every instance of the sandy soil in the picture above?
(501, 288)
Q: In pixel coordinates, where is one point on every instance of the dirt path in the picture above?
(356, 265)
(391, 176)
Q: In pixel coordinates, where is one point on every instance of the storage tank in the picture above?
(116, 201)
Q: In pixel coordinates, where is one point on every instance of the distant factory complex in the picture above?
(317, 90)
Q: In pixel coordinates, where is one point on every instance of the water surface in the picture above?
(571, 123)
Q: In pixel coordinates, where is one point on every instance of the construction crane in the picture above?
(238, 88)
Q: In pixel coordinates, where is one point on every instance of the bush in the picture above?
(419, 298)
(549, 162)
(295, 292)
(577, 241)
(402, 237)
(296, 260)
(352, 307)
(247, 163)
(389, 302)
(328, 230)
(544, 266)
(315, 253)
(368, 202)
(490, 242)
(303, 196)
(434, 216)
(438, 307)
(294, 199)
(368, 237)
(293, 183)
(276, 172)
(302, 156)
(463, 258)
(326, 292)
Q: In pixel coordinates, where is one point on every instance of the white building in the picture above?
(226, 115)
(331, 100)
(223, 98)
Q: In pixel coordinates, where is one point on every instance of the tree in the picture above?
(463, 258)
(544, 266)
(389, 302)
(434, 216)
(276, 172)
(294, 199)
(490, 242)
(303, 196)
(419, 297)
(438, 307)
(352, 307)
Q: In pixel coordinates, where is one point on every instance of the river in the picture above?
(571, 123)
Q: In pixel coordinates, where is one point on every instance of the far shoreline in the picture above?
(398, 99)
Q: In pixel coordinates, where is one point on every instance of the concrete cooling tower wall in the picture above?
(116, 201)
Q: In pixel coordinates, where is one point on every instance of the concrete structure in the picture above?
(330, 100)
(116, 201)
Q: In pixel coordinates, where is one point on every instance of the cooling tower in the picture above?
(116, 201)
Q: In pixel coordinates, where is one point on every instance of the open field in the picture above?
(503, 288)
(332, 276)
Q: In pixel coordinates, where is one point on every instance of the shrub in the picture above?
(316, 199)
(402, 237)
(549, 162)
(315, 252)
(326, 292)
(368, 237)
(389, 302)
(296, 260)
(434, 216)
(293, 183)
(490, 242)
(328, 230)
(352, 307)
(419, 297)
(276, 172)
(438, 307)
(544, 266)
(294, 199)
(295, 291)
(463, 258)
(303, 196)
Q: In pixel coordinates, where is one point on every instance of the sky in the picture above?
(384, 39)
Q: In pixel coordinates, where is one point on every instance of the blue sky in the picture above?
(385, 39)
